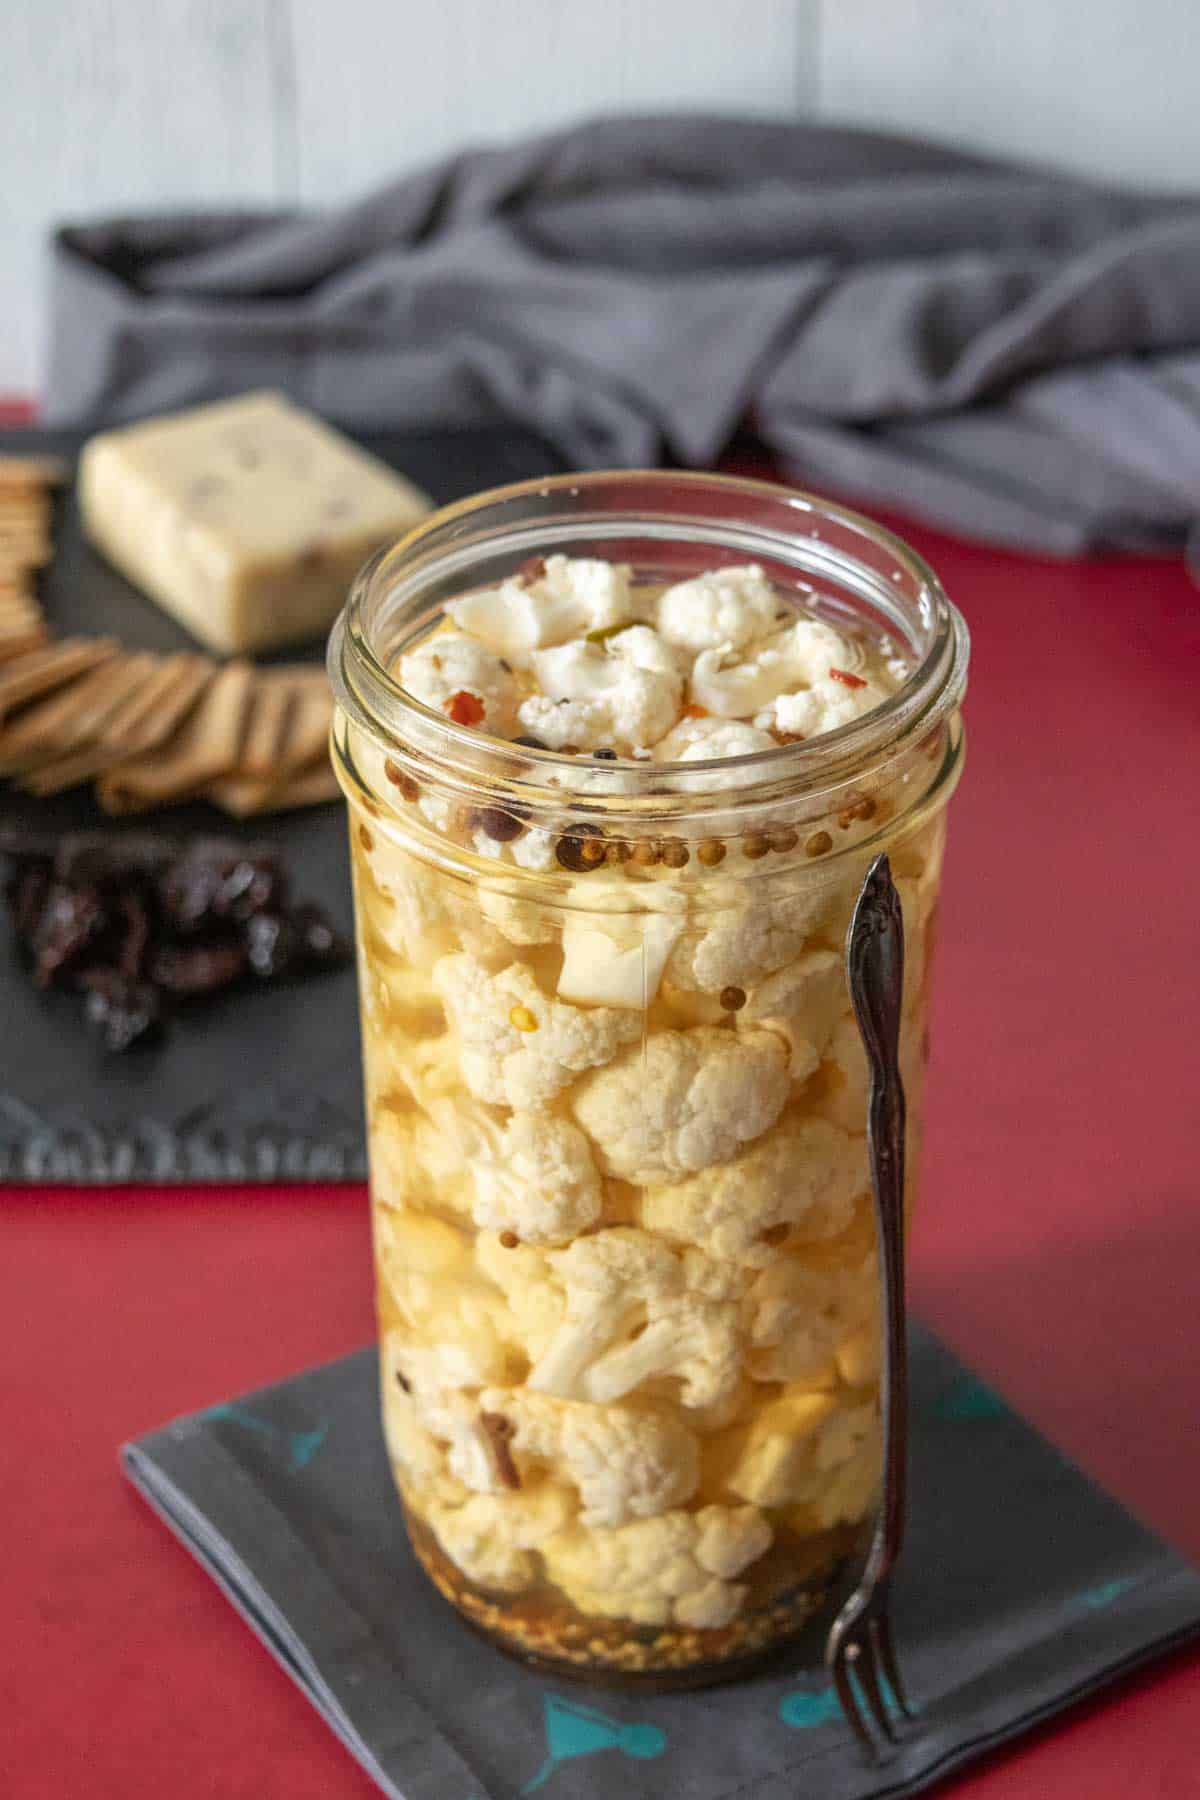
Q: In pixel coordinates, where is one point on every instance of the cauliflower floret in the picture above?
(493, 1538)
(506, 1065)
(406, 910)
(624, 1281)
(804, 1307)
(617, 962)
(435, 1378)
(569, 598)
(612, 1281)
(419, 1457)
(696, 1341)
(724, 606)
(846, 1076)
(532, 1294)
(434, 1284)
(625, 1464)
(534, 849)
(449, 663)
(678, 1568)
(751, 937)
(801, 654)
(802, 1002)
(803, 1175)
(824, 706)
(800, 1447)
(451, 1139)
(702, 740)
(543, 1184)
(622, 693)
(682, 1101)
(522, 922)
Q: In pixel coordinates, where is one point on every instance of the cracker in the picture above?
(18, 472)
(311, 715)
(73, 716)
(140, 723)
(23, 678)
(22, 643)
(266, 730)
(205, 748)
(243, 795)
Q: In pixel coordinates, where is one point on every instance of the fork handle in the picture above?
(875, 969)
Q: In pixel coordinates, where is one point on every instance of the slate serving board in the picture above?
(258, 1086)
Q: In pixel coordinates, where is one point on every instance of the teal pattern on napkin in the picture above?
(573, 1730)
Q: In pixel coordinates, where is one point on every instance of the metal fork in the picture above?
(860, 1639)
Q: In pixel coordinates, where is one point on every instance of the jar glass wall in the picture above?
(628, 1290)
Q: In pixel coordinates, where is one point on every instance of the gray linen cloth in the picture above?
(999, 349)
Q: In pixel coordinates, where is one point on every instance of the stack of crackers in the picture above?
(148, 730)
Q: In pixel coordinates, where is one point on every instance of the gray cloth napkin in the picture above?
(1007, 351)
(1023, 1589)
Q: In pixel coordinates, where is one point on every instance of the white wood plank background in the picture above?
(123, 105)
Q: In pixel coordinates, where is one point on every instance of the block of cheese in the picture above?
(246, 520)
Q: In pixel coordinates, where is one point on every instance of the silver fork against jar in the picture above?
(860, 1639)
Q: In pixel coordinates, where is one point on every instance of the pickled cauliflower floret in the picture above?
(543, 1184)
(493, 1537)
(809, 1449)
(622, 693)
(519, 1048)
(434, 1379)
(450, 663)
(522, 922)
(630, 1319)
(533, 1299)
(737, 944)
(802, 1001)
(625, 1464)
(803, 1307)
(723, 607)
(616, 961)
(567, 598)
(804, 652)
(703, 740)
(682, 1101)
(676, 1569)
(825, 706)
(800, 1179)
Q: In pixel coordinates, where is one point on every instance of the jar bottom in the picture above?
(548, 1635)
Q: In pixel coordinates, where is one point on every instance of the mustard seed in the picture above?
(509, 1240)
(818, 844)
(710, 852)
(522, 1019)
(784, 840)
(618, 852)
(645, 854)
(675, 853)
(733, 999)
(755, 844)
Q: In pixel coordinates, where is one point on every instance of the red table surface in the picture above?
(1057, 1247)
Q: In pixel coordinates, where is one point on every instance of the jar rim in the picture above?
(372, 696)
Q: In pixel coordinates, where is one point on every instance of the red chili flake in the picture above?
(693, 710)
(464, 708)
(532, 569)
(846, 679)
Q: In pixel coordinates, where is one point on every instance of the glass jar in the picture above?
(627, 1282)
